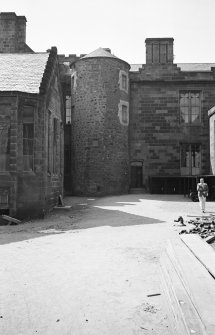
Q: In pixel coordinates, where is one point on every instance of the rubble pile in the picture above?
(204, 226)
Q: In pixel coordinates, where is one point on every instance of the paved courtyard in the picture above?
(90, 270)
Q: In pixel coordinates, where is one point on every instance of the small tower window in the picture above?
(124, 114)
(68, 109)
(123, 81)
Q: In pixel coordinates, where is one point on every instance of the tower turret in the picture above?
(100, 118)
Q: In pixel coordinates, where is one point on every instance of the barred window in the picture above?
(190, 107)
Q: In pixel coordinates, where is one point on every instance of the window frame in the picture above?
(68, 113)
(123, 103)
(124, 114)
(123, 87)
(25, 139)
(191, 169)
(190, 106)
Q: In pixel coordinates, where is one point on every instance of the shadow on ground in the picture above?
(148, 197)
(80, 216)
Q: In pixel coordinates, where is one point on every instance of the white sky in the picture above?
(81, 26)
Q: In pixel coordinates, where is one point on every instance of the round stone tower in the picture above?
(100, 118)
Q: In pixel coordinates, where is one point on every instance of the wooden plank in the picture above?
(202, 251)
(185, 319)
(10, 219)
(198, 283)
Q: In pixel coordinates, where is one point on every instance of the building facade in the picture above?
(169, 126)
(31, 133)
(122, 127)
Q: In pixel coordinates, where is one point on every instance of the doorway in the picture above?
(136, 175)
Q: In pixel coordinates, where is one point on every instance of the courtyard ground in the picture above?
(90, 270)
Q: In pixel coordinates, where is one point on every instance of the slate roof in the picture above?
(22, 72)
(100, 52)
(186, 67)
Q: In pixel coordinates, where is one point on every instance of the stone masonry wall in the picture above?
(211, 115)
(8, 114)
(52, 114)
(99, 140)
(155, 131)
(29, 198)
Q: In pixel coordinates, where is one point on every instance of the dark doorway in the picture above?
(136, 176)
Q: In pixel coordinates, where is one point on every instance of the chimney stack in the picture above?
(159, 50)
(12, 33)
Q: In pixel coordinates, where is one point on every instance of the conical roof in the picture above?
(100, 52)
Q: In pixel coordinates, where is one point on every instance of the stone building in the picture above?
(127, 128)
(31, 133)
(169, 126)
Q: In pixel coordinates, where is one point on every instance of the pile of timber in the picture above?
(204, 226)
(188, 272)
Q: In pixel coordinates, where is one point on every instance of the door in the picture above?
(136, 176)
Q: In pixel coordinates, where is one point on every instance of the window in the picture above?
(4, 194)
(28, 138)
(124, 82)
(68, 109)
(61, 147)
(190, 107)
(49, 142)
(124, 114)
(4, 144)
(190, 159)
(55, 128)
(73, 81)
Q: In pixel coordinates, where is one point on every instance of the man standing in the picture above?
(202, 189)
